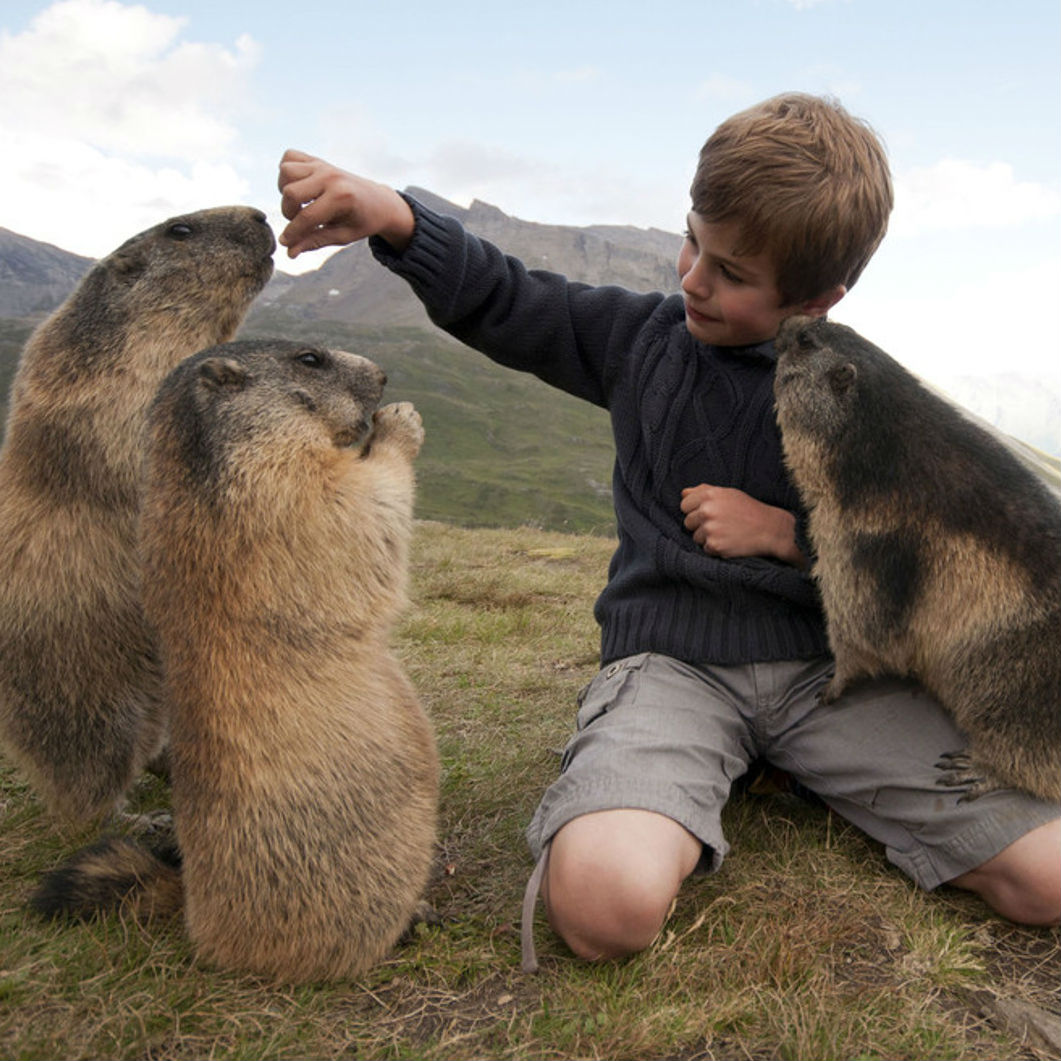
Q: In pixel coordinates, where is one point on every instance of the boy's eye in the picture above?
(689, 238)
(729, 274)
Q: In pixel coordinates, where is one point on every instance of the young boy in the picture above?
(713, 645)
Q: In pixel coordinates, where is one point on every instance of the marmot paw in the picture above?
(961, 770)
(399, 422)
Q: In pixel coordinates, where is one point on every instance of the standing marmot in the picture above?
(275, 526)
(938, 552)
(79, 680)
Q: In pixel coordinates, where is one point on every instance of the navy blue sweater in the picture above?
(682, 413)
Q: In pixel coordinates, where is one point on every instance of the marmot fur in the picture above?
(938, 552)
(80, 712)
(275, 526)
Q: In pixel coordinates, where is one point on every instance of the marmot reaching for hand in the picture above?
(80, 708)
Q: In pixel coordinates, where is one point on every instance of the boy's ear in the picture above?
(821, 304)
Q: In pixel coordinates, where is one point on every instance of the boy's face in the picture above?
(730, 300)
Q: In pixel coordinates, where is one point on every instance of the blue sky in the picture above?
(117, 115)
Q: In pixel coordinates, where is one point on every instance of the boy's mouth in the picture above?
(698, 317)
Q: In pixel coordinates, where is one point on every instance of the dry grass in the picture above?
(806, 945)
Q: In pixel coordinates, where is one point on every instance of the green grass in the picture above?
(806, 945)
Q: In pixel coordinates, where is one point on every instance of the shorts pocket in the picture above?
(601, 695)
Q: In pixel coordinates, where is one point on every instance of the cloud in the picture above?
(956, 194)
(1001, 321)
(104, 104)
(118, 78)
(69, 193)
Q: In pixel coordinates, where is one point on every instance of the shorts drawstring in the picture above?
(530, 897)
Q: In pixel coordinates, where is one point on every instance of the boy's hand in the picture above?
(729, 523)
(327, 206)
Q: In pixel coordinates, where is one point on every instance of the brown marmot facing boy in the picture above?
(938, 552)
(277, 512)
(79, 679)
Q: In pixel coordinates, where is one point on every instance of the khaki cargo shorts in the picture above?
(658, 734)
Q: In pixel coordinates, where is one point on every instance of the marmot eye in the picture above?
(180, 230)
(311, 358)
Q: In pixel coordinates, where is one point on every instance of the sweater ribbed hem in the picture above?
(677, 627)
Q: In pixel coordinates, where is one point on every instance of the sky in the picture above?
(118, 115)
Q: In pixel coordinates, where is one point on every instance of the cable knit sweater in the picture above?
(682, 413)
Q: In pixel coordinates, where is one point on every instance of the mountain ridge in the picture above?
(349, 288)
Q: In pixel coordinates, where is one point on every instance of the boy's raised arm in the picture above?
(327, 206)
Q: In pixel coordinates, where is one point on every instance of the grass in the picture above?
(805, 945)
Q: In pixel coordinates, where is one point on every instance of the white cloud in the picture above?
(73, 195)
(104, 107)
(1002, 321)
(118, 78)
(956, 194)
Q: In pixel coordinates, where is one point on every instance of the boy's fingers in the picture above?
(299, 191)
(297, 238)
(291, 155)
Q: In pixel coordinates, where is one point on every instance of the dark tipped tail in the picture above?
(113, 873)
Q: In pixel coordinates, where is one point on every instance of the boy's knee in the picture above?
(606, 912)
(608, 894)
(1023, 882)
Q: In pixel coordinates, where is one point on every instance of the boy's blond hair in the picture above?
(806, 182)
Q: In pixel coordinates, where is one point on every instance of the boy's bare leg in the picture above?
(612, 877)
(1023, 881)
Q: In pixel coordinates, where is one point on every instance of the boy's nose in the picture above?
(696, 281)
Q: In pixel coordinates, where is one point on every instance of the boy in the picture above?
(713, 645)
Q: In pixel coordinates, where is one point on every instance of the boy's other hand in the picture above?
(326, 206)
(729, 523)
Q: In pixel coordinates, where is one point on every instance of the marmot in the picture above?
(277, 512)
(79, 678)
(938, 552)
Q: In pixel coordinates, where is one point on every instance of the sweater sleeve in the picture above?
(571, 335)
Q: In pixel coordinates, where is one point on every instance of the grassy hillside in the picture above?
(807, 945)
(502, 448)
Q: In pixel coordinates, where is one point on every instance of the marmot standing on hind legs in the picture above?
(79, 679)
(275, 527)
(938, 552)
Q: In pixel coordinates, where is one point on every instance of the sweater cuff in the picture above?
(803, 540)
(421, 263)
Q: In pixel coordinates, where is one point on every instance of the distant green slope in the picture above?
(502, 449)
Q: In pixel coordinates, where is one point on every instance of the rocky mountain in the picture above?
(35, 277)
(502, 448)
(351, 287)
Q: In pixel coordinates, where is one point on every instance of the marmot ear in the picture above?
(842, 378)
(219, 373)
(127, 262)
